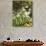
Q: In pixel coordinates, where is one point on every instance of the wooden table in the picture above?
(22, 43)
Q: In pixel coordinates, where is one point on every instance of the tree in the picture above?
(20, 11)
(17, 5)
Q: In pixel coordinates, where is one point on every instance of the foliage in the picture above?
(20, 18)
(17, 5)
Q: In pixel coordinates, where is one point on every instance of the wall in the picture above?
(37, 31)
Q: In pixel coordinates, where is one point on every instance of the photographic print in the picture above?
(22, 13)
